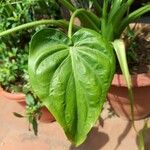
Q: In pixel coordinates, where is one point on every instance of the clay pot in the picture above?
(118, 96)
(20, 99)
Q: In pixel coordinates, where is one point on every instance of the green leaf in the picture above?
(119, 47)
(30, 100)
(71, 78)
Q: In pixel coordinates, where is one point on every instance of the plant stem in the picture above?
(60, 23)
(104, 18)
(72, 21)
(90, 20)
(86, 14)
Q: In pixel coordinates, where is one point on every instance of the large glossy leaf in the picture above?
(71, 77)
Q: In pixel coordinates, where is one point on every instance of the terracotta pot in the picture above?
(118, 96)
(20, 98)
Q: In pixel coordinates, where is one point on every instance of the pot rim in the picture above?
(19, 97)
(139, 80)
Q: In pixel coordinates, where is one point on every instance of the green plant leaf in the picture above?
(30, 100)
(71, 77)
(119, 47)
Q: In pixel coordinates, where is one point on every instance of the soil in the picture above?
(141, 50)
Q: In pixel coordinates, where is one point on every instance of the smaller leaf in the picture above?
(30, 100)
(18, 115)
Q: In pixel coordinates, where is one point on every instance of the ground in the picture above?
(116, 133)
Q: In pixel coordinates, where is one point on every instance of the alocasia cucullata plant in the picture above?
(71, 77)
(72, 74)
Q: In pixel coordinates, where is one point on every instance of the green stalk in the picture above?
(112, 19)
(115, 6)
(105, 8)
(89, 19)
(116, 14)
(117, 18)
(104, 18)
(60, 23)
(86, 14)
(72, 21)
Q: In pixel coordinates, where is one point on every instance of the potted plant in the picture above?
(139, 68)
(71, 74)
(14, 49)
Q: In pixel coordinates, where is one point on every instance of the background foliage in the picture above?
(14, 48)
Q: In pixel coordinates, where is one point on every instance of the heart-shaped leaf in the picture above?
(71, 77)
